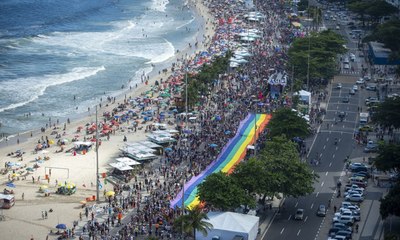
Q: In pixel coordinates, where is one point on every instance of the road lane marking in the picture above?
(337, 148)
(322, 184)
(333, 156)
(289, 217)
(330, 164)
(320, 155)
(283, 229)
(327, 139)
(317, 194)
(306, 219)
(326, 174)
(312, 205)
(297, 203)
(298, 232)
(324, 146)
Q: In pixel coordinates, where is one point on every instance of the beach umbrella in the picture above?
(30, 169)
(10, 164)
(40, 161)
(61, 226)
(110, 194)
(10, 184)
(15, 175)
(168, 149)
(213, 145)
(227, 132)
(175, 110)
(44, 152)
(70, 185)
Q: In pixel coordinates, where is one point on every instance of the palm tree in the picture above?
(192, 221)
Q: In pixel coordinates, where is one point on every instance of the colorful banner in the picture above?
(233, 152)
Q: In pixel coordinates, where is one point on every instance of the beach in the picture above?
(24, 220)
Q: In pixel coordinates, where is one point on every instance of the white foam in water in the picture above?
(187, 23)
(159, 5)
(30, 89)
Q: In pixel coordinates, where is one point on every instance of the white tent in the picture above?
(227, 225)
(304, 96)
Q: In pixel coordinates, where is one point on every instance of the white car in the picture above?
(360, 81)
(355, 88)
(353, 191)
(349, 221)
(350, 208)
(346, 212)
(346, 66)
(354, 197)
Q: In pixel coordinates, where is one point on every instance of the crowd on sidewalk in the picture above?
(146, 199)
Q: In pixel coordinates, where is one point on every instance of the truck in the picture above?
(364, 118)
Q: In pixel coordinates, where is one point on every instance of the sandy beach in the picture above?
(24, 220)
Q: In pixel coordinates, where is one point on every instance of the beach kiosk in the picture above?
(6, 201)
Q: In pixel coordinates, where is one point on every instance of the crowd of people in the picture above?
(145, 200)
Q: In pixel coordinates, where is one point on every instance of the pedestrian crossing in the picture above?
(349, 72)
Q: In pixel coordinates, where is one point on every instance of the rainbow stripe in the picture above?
(233, 152)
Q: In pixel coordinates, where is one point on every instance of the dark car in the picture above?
(333, 231)
(344, 233)
(321, 212)
(342, 114)
(359, 169)
(345, 100)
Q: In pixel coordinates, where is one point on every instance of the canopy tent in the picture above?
(304, 96)
(127, 161)
(150, 144)
(228, 225)
(121, 166)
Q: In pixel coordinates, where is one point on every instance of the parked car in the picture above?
(299, 214)
(344, 219)
(355, 88)
(356, 165)
(321, 212)
(339, 86)
(345, 234)
(352, 92)
(352, 208)
(351, 192)
(345, 99)
(354, 198)
(342, 226)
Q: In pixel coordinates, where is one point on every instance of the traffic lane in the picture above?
(331, 158)
(328, 154)
(285, 227)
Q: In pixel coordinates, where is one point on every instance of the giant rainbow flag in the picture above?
(233, 152)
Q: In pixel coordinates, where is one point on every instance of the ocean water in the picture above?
(53, 50)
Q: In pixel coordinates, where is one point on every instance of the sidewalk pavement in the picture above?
(267, 218)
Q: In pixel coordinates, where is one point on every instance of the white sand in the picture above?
(24, 220)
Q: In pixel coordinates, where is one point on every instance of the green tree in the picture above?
(379, 8)
(320, 51)
(359, 8)
(286, 121)
(223, 192)
(387, 114)
(277, 169)
(390, 203)
(388, 157)
(291, 176)
(193, 221)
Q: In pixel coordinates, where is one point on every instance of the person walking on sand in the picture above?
(23, 196)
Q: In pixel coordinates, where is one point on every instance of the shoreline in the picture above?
(130, 90)
(155, 74)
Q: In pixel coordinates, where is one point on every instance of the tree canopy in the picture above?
(286, 121)
(374, 10)
(223, 192)
(388, 157)
(390, 203)
(321, 49)
(277, 169)
(387, 114)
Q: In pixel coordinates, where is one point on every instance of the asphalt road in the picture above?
(329, 170)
